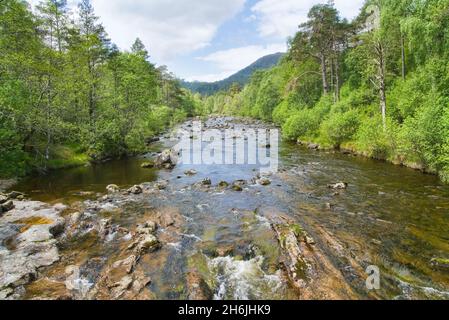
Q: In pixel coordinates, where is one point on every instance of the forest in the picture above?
(68, 95)
(377, 86)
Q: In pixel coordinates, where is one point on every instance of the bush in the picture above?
(301, 123)
(424, 136)
(340, 127)
(374, 140)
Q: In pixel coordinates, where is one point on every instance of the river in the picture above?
(390, 217)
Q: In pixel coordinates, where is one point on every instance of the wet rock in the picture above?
(264, 181)
(206, 182)
(34, 248)
(148, 227)
(223, 184)
(135, 190)
(198, 289)
(161, 185)
(113, 188)
(190, 172)
(149, 243)
(167, 159)
(313, 146)
(148, 165)
(3, 198)
(7, 206)
(16, 195)
(440, 264)
(237, 188)
(338, 186)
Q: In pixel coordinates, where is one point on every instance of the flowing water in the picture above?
(391, 217)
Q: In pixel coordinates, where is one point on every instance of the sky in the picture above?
(207, 40)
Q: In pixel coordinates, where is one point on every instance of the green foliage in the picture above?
(340, 127)
(64, 84)
(375, 141)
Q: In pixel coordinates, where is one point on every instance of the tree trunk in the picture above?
(337, 80)
(382, 84)
(324, 74)
(404, 68)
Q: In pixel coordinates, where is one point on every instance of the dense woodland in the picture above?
(68, 95)
(378, 85)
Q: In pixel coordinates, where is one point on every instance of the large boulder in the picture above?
(167, 159)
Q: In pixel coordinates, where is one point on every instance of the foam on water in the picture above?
(244, 279)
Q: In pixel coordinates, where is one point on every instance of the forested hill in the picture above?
(242, 77)
(377, 85)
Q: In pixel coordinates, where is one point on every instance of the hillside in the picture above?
(242, 77)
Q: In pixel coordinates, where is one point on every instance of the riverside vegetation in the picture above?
(377, 86)
(68, 95)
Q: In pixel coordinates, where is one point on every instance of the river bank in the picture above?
(224, 232)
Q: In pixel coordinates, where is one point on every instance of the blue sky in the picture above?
(207, 40)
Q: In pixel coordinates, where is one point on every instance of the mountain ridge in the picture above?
(241, 77)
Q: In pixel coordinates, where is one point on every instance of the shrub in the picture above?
(301, 123)
(340, 127)
(374, 140)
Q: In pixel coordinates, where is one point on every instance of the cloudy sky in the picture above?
(207, 40)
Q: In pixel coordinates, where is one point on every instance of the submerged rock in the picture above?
(148, 165)
(223, 184)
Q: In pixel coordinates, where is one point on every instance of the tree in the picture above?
(139, 48)
(318, 33)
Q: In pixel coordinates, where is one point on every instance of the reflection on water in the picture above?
(68, 184)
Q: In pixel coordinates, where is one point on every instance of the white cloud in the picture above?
(281, 18)
(232, 60)
(167, 27)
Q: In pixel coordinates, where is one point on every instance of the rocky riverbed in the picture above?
(308, 231)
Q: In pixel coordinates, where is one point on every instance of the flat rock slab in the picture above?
(27, 242)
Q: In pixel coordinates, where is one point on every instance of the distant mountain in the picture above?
(242, 77)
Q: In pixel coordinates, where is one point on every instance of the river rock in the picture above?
(206, 182)
(35, 246)
(237, 188)
(148, 227)
(223, 184)
(440, 263)
(3, 198)
(7, 206)
(148, 165)
(16, 195)
(313, 146)
(190, 172)
(198, 289)
(167, 159)
(264, 181)
(135, 190)
(338, 186)
(113, 188)
(161, 185)
(147, 243)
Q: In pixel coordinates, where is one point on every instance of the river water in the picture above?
(390, 217)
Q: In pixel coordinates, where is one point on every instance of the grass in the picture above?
(67, 157)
